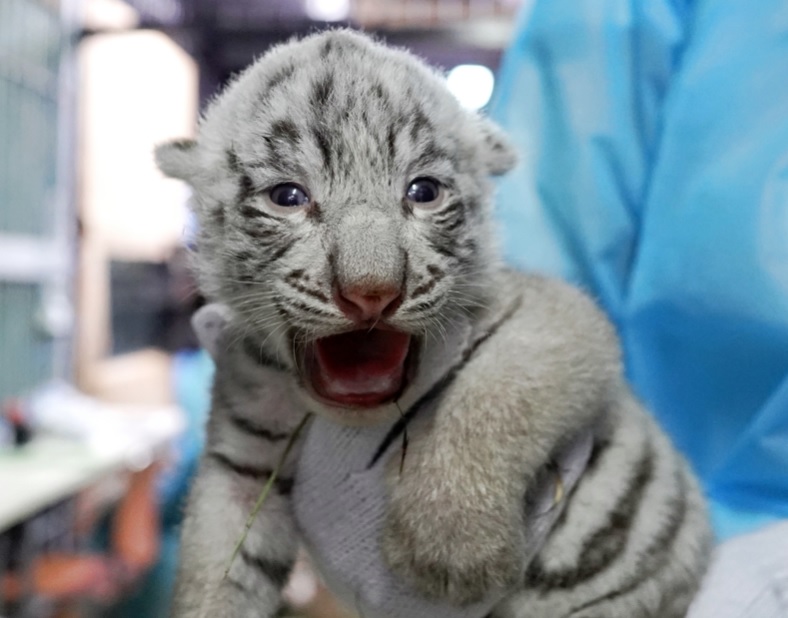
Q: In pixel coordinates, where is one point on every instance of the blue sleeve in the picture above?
(654, 138)
(581, 91)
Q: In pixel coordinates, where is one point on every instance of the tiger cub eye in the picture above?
(288, 195)
(424, 192)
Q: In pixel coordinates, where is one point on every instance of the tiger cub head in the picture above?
(343, 199)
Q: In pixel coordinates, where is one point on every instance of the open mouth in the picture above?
(361, 368)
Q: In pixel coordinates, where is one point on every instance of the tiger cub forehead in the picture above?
(338, 106)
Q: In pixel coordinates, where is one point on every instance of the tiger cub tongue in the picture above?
(361, 368)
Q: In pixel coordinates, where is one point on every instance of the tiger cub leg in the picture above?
(252, 420)
(634, 541)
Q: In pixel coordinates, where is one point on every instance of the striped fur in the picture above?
(634, 536)
(354, 122)
(242, 450)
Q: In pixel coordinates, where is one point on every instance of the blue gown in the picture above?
(654, 173)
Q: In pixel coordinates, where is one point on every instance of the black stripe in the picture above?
(655, 556)
(439, 387)
(407, 207)
(277, 572)
(315, 213)
(608, 542)
(290, 304)
(444, 246)
(493, 328)
(392, 143)
(379, 91)
(217, 216)
(451, 217)
(383, 97)
(283, 313)
(424, 288)
(274, 159)
(260, 233)
(323, 145)
(459, 221)
(285, 130)
(250, 212)
(296, 304)
(245, 190)
(183, 144)
(244, 424)
(470, 248)
(296, 285)
(288, 315)
(419, 123)
(431, 154)
(331, 258)
(241, 469)
(326, 49)
(472, 204)
(600, 446)
(263, 163)
(278, 78)
(243, 255)
(283, 485)
(425, 304)
(445, 213)
(322, 91)
(233, 162)
(405, 269)
(284, 248)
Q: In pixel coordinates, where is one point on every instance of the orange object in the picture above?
(101, 577)
(64, 577)
(136, 527)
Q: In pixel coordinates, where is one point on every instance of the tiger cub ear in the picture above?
(498, 152)
(178, 159)
(210, 324)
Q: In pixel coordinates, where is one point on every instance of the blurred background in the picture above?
(103, 390)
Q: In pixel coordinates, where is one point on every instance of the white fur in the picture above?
(354, 122)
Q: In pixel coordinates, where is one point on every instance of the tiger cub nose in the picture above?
(368, 303)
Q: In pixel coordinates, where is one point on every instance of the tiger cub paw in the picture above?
(461, 557)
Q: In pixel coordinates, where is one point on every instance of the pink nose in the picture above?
(364, 303)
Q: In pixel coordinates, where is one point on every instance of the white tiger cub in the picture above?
(344, 202)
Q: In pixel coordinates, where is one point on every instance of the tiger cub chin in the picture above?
(474, 449)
